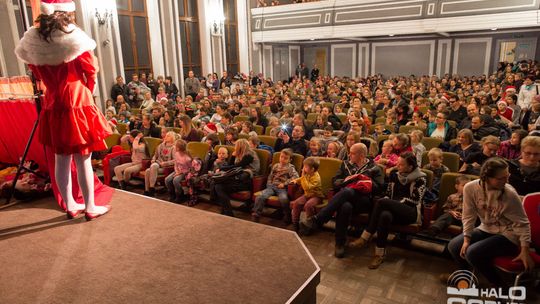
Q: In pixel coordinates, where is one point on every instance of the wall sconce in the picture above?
(216, 28)
(103, 17)
(217, 18)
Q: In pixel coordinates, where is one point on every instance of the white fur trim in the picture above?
(32, 49)
(50, 8)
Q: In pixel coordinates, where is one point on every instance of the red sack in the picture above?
(361, 183)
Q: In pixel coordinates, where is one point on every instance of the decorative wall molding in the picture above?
(340, 19)
(408, 27)
(443, 56)
(363, 59)
(487, 56)
(431, 59)
(333, 58)
(291, 67)
(268, 71)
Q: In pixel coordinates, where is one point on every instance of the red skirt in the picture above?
(74, 130)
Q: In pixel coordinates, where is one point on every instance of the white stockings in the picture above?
(85, 176)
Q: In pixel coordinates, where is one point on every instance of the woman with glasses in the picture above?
(504, 228)
(525, 171)
(440, 128)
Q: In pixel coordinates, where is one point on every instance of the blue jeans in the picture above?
(266, 193)
(483, 248)
(174, 184)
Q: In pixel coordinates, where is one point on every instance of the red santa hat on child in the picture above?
(210, 128)
(510, 88)
(48, 7)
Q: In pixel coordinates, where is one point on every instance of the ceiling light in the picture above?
(494, 29)
(391, 35)
(312, 39)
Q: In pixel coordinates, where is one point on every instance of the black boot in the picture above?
(122, 185)
(152, 192)
(287, 216)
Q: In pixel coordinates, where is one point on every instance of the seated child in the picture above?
(387, 158)
(333, 149)
(221, 160)
(182, 165)
(280, 176)
(315, 147)
(435, 156)
(327, 136)
(310, 181)
(417, 146)
(380, 129)
(452, 209)
(124, 172)
(194, 180)
(231, 137)
(163, 157)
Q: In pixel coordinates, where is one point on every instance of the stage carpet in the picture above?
(148, 251)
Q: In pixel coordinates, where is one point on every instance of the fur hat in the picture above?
(48, 7)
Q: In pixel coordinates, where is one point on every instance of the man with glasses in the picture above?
(457, 111)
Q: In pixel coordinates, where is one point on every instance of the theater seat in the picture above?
(297, 161)
(450, 159)
(268, 140)
(531, 204)
(197, 149)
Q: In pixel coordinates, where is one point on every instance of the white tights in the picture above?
(85, 176)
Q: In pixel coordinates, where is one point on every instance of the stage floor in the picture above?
(148, 251)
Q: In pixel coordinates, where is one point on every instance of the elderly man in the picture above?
(472, 110)
(348, 199)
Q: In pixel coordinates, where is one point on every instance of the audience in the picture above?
(342, 113)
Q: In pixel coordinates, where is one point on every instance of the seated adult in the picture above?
(481, 129)
(525, 171)
(149, 128)
(465, 145)
(351, 139)
(401, 143)
(417, 121)
(406, 188)
(187, 132)
(299, 120)
(348, 200)
(332, 118)
(466, 123)
(441, 128)
(473, 163)
(504, 228)
(243, 157)
(457, 111)
(296, 143)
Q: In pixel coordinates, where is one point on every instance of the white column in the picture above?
(212, 42)
(156, 43)
(244, 52)
(109, 48)
(9, 38)
(172, 48)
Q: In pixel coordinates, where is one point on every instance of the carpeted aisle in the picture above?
(146, 251)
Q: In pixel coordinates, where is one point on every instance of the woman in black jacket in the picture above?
(402, 204)
(243, 157)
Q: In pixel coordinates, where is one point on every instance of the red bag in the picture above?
(361, 183)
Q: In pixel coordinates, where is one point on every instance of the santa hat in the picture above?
(502, 102)
(48, 7)
(510, 88)
(210, 128)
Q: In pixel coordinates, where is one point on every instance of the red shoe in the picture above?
(90, 216)
(73, 214)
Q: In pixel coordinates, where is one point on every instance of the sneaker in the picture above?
(308, 225)
(376, 262)
(339, 251)
(296, 227)
(358, 243)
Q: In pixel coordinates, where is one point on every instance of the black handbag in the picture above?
(229, 175)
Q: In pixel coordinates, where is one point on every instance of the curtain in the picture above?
(18, 115)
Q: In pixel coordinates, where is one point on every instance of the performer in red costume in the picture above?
(60, 55)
